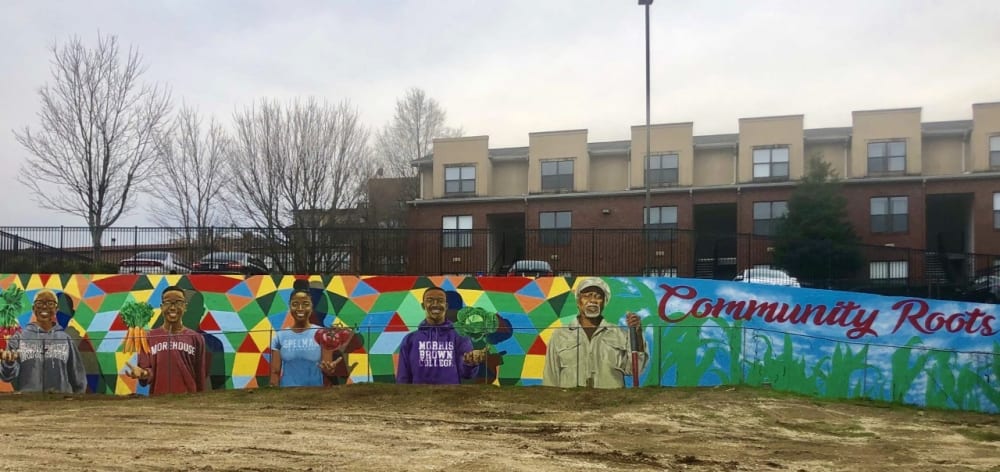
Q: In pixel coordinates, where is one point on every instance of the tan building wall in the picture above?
(833, 153)
(509, 178)
(570, 144)
(714, 167)
(426, 175)
(609, 173)
(985, 123)
(886, 125)
(771, 131)
(943, 155)
(664, 138)
(472, 150)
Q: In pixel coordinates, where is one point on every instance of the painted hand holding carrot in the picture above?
(329, 368)
(9, 356)
(135, 372)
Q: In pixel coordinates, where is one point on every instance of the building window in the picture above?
(660, 272)
(661, 223)
(767, 216)
(459, 180)
(555, 226)
(996, 211)
(557, 175)
(663, 170)
(994, 151)
(887, 157)
(770, 163)
(889, 214)
(456, 231)
(889, 271)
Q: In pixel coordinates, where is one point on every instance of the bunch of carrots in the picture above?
(136, 315)
(11, 302)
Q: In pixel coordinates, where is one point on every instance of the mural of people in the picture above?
(297, 358)
(178, 361)
(591, 352)
(42, 357)
(435, 353)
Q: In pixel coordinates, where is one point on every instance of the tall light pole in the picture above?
(647, 211)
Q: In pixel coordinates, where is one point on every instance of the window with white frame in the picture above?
(767, 216)
(660, 223)
(888, 270)
(663, 169)
(459, 180)
(887, 157)
(889, 214)
(770, 163)
(456, 231)
(557, 175)
(996, 211)
(555, 227)
(994, 151)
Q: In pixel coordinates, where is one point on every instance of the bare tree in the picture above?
(189, 177)
(410, 135)
(95, 149)
(295, 168)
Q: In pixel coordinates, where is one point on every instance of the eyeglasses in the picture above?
(46, 304)
(168, 303)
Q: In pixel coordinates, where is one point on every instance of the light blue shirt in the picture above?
(300, 357)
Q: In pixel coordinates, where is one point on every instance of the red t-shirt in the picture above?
(178, 362)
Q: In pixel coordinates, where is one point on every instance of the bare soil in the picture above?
(479, 428)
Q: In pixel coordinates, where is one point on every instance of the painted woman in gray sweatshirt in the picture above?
(42, 357)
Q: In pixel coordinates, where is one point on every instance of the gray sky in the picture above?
(506, 68)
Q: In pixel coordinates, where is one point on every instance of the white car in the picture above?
(153, 262)
(760, 275)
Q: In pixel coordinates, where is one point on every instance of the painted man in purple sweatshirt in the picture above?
(435, 353)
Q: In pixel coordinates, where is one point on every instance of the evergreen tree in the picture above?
(816, 242)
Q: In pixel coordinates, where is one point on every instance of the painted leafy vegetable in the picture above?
(476, 323)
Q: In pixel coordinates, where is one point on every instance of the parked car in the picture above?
(761, 275)
(984, 289)
(230, 263)
(528, 268)
(153, 262)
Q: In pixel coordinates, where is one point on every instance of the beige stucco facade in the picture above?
(886, 125)
(936, 150)
(664, 139)
(715, 167)
(771, 131)
(472, 150)
(558, 145)
(985, 124)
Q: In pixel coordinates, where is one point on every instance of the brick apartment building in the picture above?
(932, 186)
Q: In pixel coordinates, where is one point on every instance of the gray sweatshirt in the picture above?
(49, 362)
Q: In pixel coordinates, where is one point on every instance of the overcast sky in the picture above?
(506, 68)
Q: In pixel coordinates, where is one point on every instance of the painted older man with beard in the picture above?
(591, 352)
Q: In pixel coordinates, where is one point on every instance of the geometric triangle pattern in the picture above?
(240, 316)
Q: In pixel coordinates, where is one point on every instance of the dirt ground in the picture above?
(478, 428)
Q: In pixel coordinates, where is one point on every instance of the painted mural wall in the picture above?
(693, 332)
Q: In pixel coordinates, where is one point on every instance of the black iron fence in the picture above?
(380, 251)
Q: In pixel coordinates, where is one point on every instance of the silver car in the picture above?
(766, 276)
(153, 262)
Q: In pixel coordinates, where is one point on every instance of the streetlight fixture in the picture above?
(647, 213)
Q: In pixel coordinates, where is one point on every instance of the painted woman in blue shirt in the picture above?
(297, 360)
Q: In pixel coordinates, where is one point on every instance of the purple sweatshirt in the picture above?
(433, 355)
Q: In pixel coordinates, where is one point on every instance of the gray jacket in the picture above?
(49, 361)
